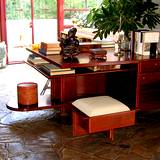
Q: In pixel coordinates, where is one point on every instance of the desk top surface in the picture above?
(85, 60)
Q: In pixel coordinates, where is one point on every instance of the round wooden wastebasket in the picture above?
(27, 93)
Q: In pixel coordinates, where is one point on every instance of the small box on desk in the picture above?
(86, 46)
(98, 53)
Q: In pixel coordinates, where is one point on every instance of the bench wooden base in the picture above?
(82, 124)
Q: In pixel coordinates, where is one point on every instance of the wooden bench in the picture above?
(100, 113)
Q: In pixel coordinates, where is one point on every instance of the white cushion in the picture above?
(99, 105)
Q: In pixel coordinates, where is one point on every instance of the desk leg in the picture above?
(63, 91)
(77, 130)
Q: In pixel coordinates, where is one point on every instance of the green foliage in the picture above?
(80, 4)
(43, 9)
(20, 9)
(126, 15)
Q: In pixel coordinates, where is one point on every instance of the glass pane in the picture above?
(18, 18)
(18, 13)
(45, 20)
(94, 3)
(79, 14)
(158, 2)
(74, 4)
(19, 31)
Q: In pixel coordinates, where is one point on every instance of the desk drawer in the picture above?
(113, 120)
(149, 78)
(149, 66)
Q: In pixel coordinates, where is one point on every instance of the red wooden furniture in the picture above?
(133, 81)
(100, 113)
(67, 88)
(44, 102)
(148, 84)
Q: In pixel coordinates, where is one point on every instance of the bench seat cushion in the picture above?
(99, 105)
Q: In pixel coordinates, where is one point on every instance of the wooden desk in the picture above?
(135, 81)
(66, 88)
(84, 60)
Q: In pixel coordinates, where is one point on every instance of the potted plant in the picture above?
(122, 15)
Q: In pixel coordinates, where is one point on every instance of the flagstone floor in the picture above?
(38, 135)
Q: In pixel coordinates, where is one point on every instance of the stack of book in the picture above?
(52, 69)
(35, 59)
(49, 48)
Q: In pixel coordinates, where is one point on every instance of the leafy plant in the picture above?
(122, 15)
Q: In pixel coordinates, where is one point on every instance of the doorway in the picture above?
(28, 22)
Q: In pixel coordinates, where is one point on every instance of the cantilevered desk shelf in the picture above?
(44, 102)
